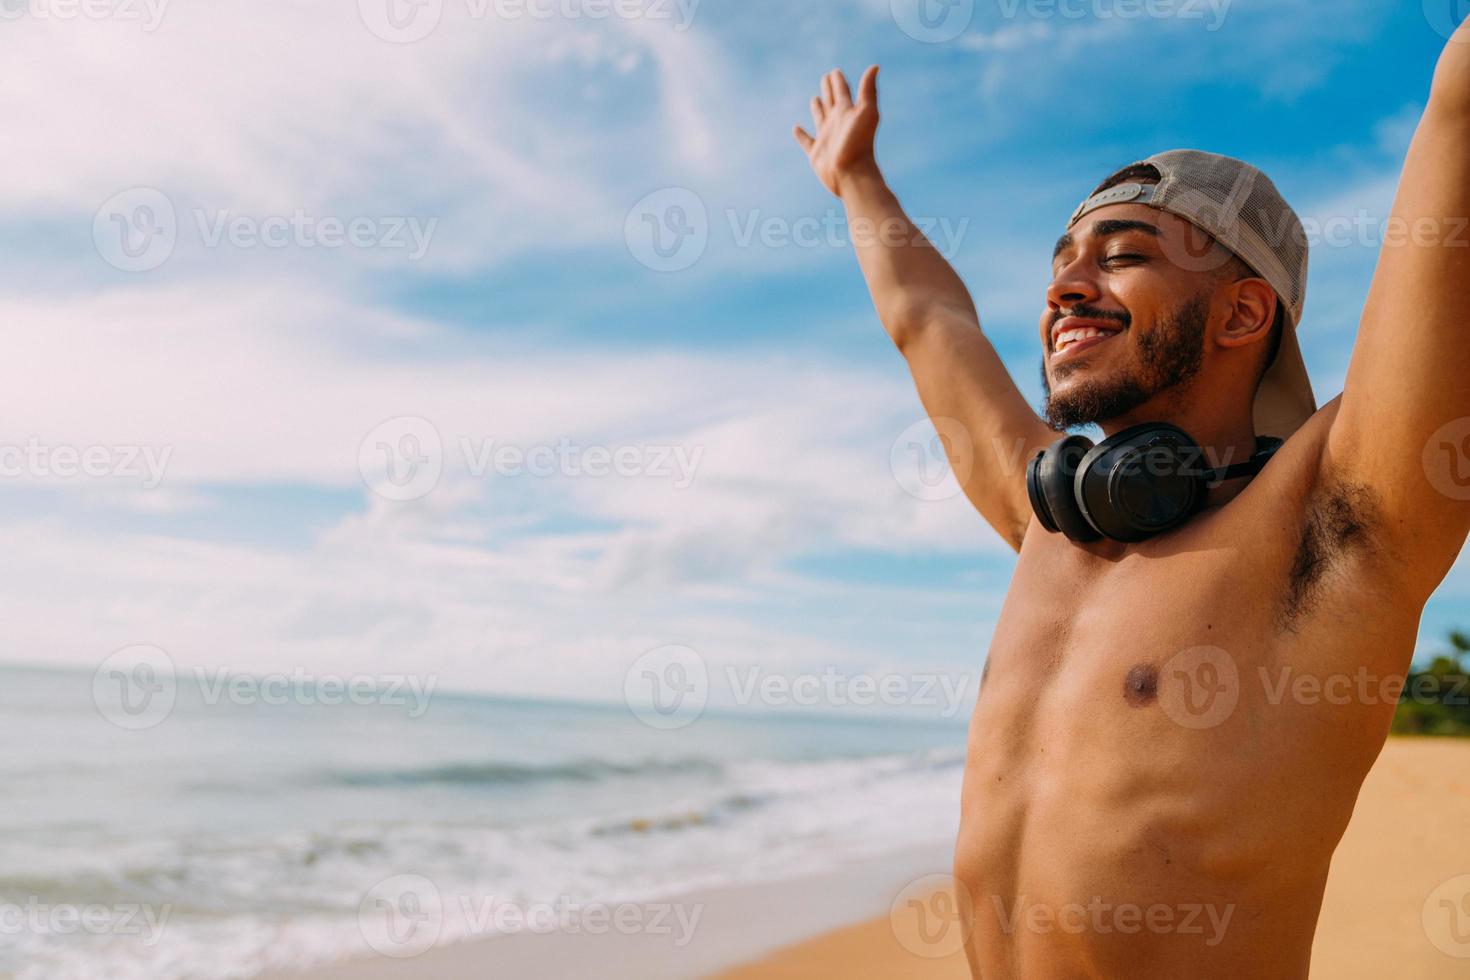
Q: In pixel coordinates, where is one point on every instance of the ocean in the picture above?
(235, 836)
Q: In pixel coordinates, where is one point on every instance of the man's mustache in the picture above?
(1090, 313)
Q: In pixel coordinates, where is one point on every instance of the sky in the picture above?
(508, 340)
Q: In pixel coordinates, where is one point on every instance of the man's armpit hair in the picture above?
(1341, 520)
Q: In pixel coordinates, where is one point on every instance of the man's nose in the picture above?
(1071, 286)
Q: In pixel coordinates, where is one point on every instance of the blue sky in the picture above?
(523, 147)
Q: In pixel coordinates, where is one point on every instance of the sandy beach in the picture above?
(1408, 837)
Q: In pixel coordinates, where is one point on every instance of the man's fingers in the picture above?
(827, 99)
(803, 138)
(868, 87)
(819, 113)
(841, 89)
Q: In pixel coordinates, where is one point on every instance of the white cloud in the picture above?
(515, 134)
(279, 385)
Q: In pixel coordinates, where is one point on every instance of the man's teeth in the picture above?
(1074, 334)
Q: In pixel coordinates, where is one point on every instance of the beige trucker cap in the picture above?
(1240, 208)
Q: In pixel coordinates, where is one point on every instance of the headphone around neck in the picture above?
(1143, 481)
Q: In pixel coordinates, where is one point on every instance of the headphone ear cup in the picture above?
(1049, 482)
(1039, 506)
(1140, 482)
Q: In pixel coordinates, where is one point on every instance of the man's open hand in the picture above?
(843, 145)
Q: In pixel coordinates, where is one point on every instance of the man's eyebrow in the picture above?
(1102, 229)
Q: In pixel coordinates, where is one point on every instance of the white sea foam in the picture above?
(261, 863)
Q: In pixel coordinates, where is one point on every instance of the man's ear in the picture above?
(1252, 311)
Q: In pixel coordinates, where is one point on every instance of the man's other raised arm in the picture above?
(928, 313)
(1402, 429)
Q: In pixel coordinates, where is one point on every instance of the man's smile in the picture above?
(1071, 336)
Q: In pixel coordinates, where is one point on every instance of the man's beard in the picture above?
(1171, 353)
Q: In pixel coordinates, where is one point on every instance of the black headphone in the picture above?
(1142, 481)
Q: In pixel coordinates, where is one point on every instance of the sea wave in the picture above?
(507, 773)
(271, 866)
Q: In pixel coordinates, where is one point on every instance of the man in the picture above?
(1172, 731)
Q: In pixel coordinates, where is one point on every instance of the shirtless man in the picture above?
(1172, 731)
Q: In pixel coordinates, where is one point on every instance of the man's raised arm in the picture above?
(927, 312)
(1403, 426)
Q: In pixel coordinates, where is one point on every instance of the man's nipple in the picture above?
(1141, 686)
